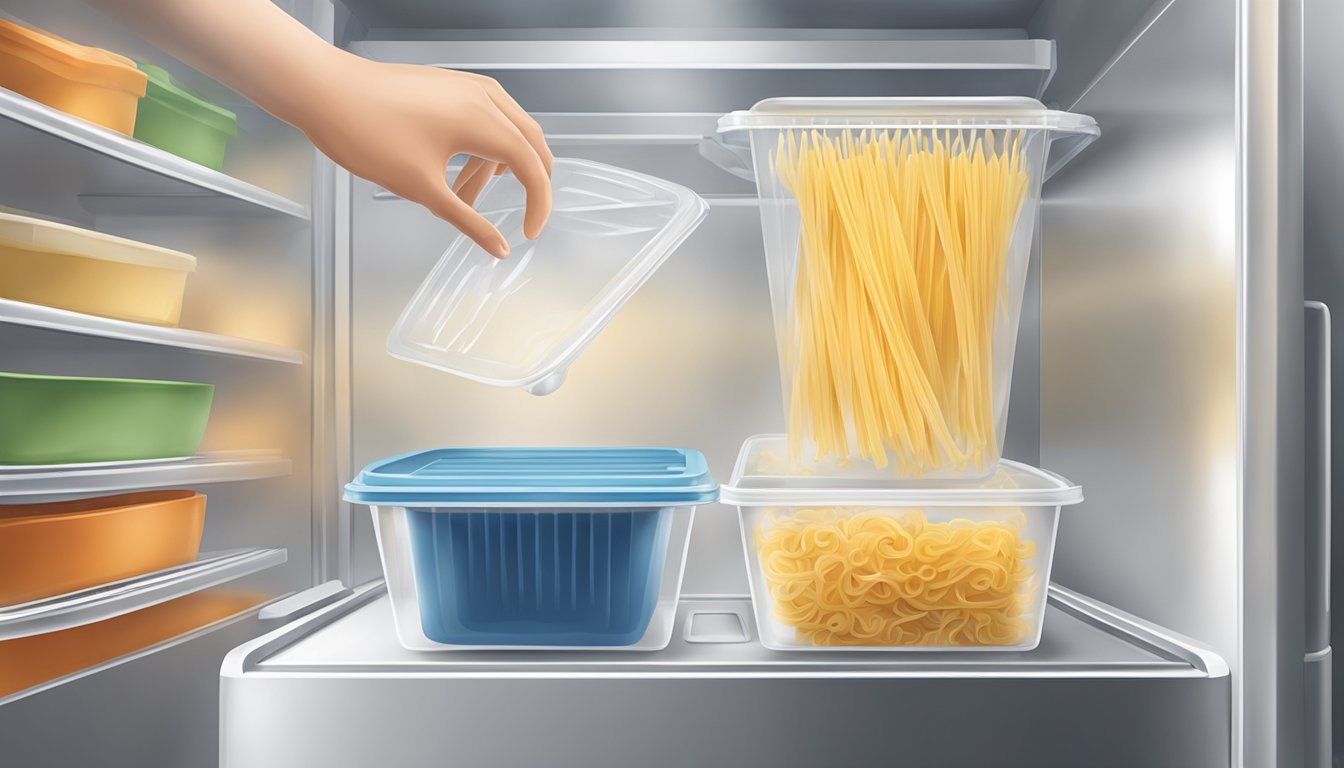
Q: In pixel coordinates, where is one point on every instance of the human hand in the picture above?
(398, 125)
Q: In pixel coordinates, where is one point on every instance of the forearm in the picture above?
(250, 45)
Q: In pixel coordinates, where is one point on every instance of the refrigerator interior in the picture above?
(1131, 373)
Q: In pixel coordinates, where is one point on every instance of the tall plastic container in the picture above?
(843, 564)
(897, 236)
(515, 548)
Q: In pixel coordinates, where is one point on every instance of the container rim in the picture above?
(8, 375)
(28, 233)
(779, 490)
(993, 112)
(537, 476)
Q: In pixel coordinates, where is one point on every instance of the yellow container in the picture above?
(66, 267)
(91, 83)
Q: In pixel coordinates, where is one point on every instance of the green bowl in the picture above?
(70, 419)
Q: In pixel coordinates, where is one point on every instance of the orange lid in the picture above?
(71, 61)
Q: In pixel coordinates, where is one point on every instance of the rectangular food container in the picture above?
(521, 321)
(897, 235)
(73, 419)
(840, 564)
(57, 265)
(90, 83)
(57, 547)
(176, 120)
(560, 548)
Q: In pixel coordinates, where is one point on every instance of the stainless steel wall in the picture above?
(1138, 332)
(1324, 247)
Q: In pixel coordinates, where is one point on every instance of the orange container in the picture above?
(58, 547)
(97, 85)
(29, 661)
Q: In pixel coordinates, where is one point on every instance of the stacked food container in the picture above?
(72, 423)
(528, 548)
(898, 234)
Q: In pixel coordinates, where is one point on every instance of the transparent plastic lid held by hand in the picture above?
(521, 321)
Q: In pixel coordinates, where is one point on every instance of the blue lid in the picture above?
(609, 477)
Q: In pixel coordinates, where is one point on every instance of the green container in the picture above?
(174, 119)
(67, 419)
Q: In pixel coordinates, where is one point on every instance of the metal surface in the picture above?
(706, 703)
(1139, 351)
(87, 606)
(627, 72)
(786, 53)
(1317, 467)
(860, 14)
(1085, 639)
(155, 708)
(1318, 739)
(19, 313)
(1324, 238)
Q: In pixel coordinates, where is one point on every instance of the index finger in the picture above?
(509, 146)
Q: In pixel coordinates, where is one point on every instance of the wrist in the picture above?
(305, 78)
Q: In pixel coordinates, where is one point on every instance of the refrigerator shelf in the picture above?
(87, 606)
(85, 166)
(802, 53)
(716, 697)
(37, 316)
(617, 71)
(716, 637)
(82, 479)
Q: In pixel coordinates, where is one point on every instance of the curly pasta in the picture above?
(892, 578)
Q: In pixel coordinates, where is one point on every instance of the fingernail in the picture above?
(502, 249)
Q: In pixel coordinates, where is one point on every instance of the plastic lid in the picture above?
(71, 61)
(762, 478)
(50, 237)
(521, 321)
(505, 477)
(887, 112)
(164, 89)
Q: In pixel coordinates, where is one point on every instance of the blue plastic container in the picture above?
(534, 547)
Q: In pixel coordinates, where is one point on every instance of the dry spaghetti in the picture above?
(855, 577)
(902, 252)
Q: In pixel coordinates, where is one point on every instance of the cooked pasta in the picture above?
(900, 277)
(863, 577)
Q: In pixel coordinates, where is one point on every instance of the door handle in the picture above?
(1318, 523)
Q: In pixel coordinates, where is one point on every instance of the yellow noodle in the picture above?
(865, 577)
(901, 264)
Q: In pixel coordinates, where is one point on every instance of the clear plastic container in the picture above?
(842, 564)
(521, 321)
(532, 548)
(897, 236)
